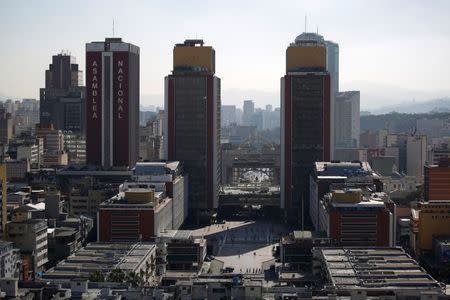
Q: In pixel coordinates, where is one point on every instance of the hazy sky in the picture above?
(391, 50)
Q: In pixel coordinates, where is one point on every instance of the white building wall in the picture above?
(416, 155)
(314, 203)
(163, 217)
(178, 209)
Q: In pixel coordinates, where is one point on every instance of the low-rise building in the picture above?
(438, 150)
(9, 260)
(155, 200)
(336, 174)
(19, 198)
(181, 251)
(296, 250)
(138, 258)
(16, 170)
(398, 185)
(437, 181)
(32, 152)
(137, 214)
(54, 153)
(364, 272)
(355, 217)
(62, 242)
(429, 220)
(29, 236)
(75, 145)
(217, 289)
(85, 200)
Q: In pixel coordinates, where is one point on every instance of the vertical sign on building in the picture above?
(93, 106)
(120, 109)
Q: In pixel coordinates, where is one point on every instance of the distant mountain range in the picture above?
(150, 102)
(435, 105)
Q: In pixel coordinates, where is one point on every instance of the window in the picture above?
(218, 291)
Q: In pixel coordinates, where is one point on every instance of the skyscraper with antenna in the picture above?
(112, 103)
(305, 121)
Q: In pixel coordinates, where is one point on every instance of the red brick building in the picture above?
(352, 218)
(154, 201)
(437, 182)
(112, 103)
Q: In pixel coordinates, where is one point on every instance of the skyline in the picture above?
(242, 42)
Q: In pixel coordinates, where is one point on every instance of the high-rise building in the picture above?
(62, 101)
(112, 103)
(346, 116)
(228, 115)
(6, 127)
(248, 112)
(396, 140)
(305, 119)
(333, 69)
(192, 122)
(333, 65)
(416, 156)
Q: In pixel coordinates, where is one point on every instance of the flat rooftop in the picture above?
(249, 189)
(104, 257)
(120, 200)
(344, 169)
(374, 269)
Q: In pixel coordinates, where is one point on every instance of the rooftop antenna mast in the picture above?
(113, 28)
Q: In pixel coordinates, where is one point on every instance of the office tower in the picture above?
(346, 128)
(62, 101)
(112, 103)
(257, 119)
(333, 69)
(269, 118)
(305, 119)
(6, 127)
(416, 155)
(248, 112)
(192, 123)
(395, 140)
(333, 65)
(228, 115)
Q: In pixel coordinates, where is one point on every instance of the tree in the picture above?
(97, 276)
(134, 279)
(117, 275)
